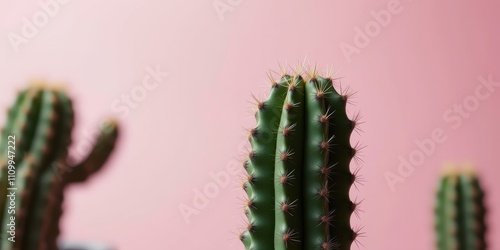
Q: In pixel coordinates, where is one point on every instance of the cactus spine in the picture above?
(298, 168)
(460, 212)
(41, 121)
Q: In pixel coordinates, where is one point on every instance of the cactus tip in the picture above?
(36, 84)
(449, 169)
(469, 170)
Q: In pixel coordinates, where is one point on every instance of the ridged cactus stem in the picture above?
(460, 212)
(307, 149)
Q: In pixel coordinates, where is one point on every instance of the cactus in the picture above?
(38, 131)
(298, 168)
(460, 212)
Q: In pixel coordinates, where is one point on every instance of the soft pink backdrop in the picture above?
(424, 61)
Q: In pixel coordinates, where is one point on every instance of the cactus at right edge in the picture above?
(298, 169)
(460, 212)
(35, 167)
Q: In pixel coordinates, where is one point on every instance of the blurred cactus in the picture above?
(298, 168)
(460, 212)
(34, 143)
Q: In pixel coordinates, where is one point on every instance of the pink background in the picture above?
(423, 62)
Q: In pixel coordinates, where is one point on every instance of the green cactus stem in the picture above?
(41, 120)
(298, 169)
(460, 211)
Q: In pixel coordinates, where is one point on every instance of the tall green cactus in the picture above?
(460, 212)
(298, 168)
(38, 131)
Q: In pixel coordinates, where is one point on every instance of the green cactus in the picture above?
(298, 168)
(460, 212)
(38, 131)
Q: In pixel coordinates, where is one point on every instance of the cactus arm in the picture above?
(288, 170)
(316, 157)
(340, 129)
(261, 169)
(97, 156)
